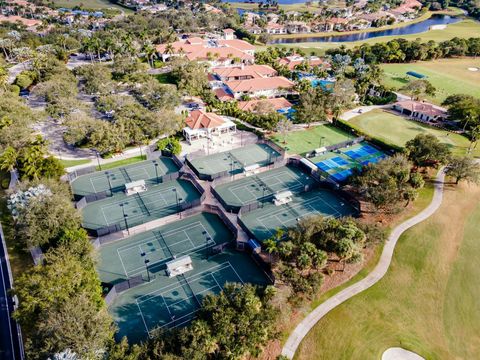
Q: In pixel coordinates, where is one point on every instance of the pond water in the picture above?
(417, 28)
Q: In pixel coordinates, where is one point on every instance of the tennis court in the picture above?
(125, 258)
(115, 179)
(233, 161)
(263, 222)
(121, 210)
(339, 164)
(263, 186)
(167, 302)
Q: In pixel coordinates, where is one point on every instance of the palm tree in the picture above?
(270, 247)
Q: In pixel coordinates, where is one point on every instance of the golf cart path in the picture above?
(372, 278)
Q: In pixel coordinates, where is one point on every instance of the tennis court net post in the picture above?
(142, 203)
(182, 276)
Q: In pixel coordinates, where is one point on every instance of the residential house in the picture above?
(202, 124)
(336, 24)
(420, 110)
(243, 72)
(275, 28)
(216, 52)
(278, 104)
(297, 27)
(275, 86)
(291, 61)
(30, 24)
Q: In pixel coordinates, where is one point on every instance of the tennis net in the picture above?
(163, 243)
(142, 204)
(125, 174)
(264, 184)
(182, 276)
(240, 164)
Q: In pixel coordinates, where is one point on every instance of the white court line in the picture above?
(123, 265)
(235, 271)
(194, 247)
(143, 318)
(189, 297)
(197, 275)
(154, 238)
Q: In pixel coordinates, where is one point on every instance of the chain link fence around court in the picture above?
(123, 286)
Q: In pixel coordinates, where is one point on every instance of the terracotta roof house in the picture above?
(277, 104)
(201, 124)
(275, 28)
(269, 87)
(420, 110)
(243, 72)
(294, 60)
(215, 52)
(228, 34)
(31, 24)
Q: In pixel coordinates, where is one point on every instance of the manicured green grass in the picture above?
(301, 7)
(89, 4)
(122, 162)
(164, 78)
(428, 300)
(448, 76)
(70, 163)
(463, 29)
(302, 141)
(397, 130)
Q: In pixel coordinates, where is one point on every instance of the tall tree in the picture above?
(426, 150)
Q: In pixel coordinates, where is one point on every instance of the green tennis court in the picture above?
(167, 302)
(233, 161)
(115, 179)
(263, 222)
(125, 258)
(121, 210)
(263, 186)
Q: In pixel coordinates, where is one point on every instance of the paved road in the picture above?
(10, 343)
(380, 270)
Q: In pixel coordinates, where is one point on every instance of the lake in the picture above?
(417, 28)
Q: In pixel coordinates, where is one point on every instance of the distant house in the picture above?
(336, 24)
(297, 27)
(291, 61)
(253, 29)
(275, 28)
(30, 24)
(420, 110)
(217, 52)
(258, 87)
(243, 72)
(278, 104)
(201, 124)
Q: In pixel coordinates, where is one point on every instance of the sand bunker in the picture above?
(396, 353)
(472, 69)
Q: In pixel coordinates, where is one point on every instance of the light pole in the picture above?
(146, 268)
(109, 183)
(156, 170)
(125, 216)
(98, 159)
(180, 210)
(264, 188)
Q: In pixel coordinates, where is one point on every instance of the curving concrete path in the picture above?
(378, 272)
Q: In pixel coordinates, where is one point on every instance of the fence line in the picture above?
(83, 171)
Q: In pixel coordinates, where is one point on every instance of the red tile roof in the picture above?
(278, 103)
(222, 95)
(259, 84)
(199, 119)
(421, 107)
(252, 71)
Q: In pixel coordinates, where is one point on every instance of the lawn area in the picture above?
(122, 162)
(302, 141)
(397, 130)
(70, 163)
(300, 6)
(449, 76)
(428, 300)
(463, 29)
(89, 4)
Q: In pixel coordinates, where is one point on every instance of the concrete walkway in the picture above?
(380, 270)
